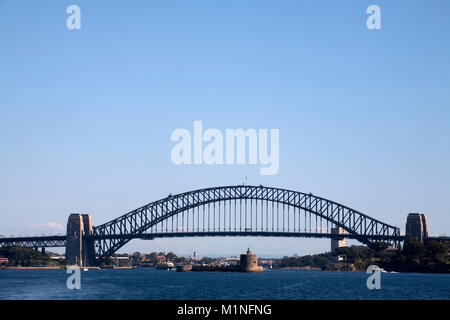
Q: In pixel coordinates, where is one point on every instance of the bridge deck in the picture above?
(60, 241)
(34, 242)
(150, 236)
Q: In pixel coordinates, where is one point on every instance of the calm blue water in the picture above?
(272, 284)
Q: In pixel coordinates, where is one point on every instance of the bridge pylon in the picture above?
(416, 226)
(79, 246)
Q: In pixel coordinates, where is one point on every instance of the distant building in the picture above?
(57, 257)
(338, 243)
(266, 263)
(160, 259)
(120, 261)
(231, 259)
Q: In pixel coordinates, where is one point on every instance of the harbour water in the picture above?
(271, 284)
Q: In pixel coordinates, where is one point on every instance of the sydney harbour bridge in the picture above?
(236, 211)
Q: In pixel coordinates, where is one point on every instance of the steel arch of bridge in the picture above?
(162, 216)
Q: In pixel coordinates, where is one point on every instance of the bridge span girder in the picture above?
(34, 242)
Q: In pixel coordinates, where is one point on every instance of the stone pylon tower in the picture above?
(79, 247)
(416, 225)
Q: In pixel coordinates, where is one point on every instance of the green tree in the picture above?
(171, 256)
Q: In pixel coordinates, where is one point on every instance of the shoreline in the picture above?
(32, 268)
(131, 268)
(45, 268)
(298, 268)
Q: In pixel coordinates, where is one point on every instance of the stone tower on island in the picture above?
(249, 262)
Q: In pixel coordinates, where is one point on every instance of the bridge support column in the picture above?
(79, 247)
(416, 226)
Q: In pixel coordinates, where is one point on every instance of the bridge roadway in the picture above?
(34, 241)
(60, 240)
(151, 236)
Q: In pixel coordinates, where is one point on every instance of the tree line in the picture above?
(428, 257)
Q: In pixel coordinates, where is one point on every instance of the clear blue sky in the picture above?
(86, 115)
